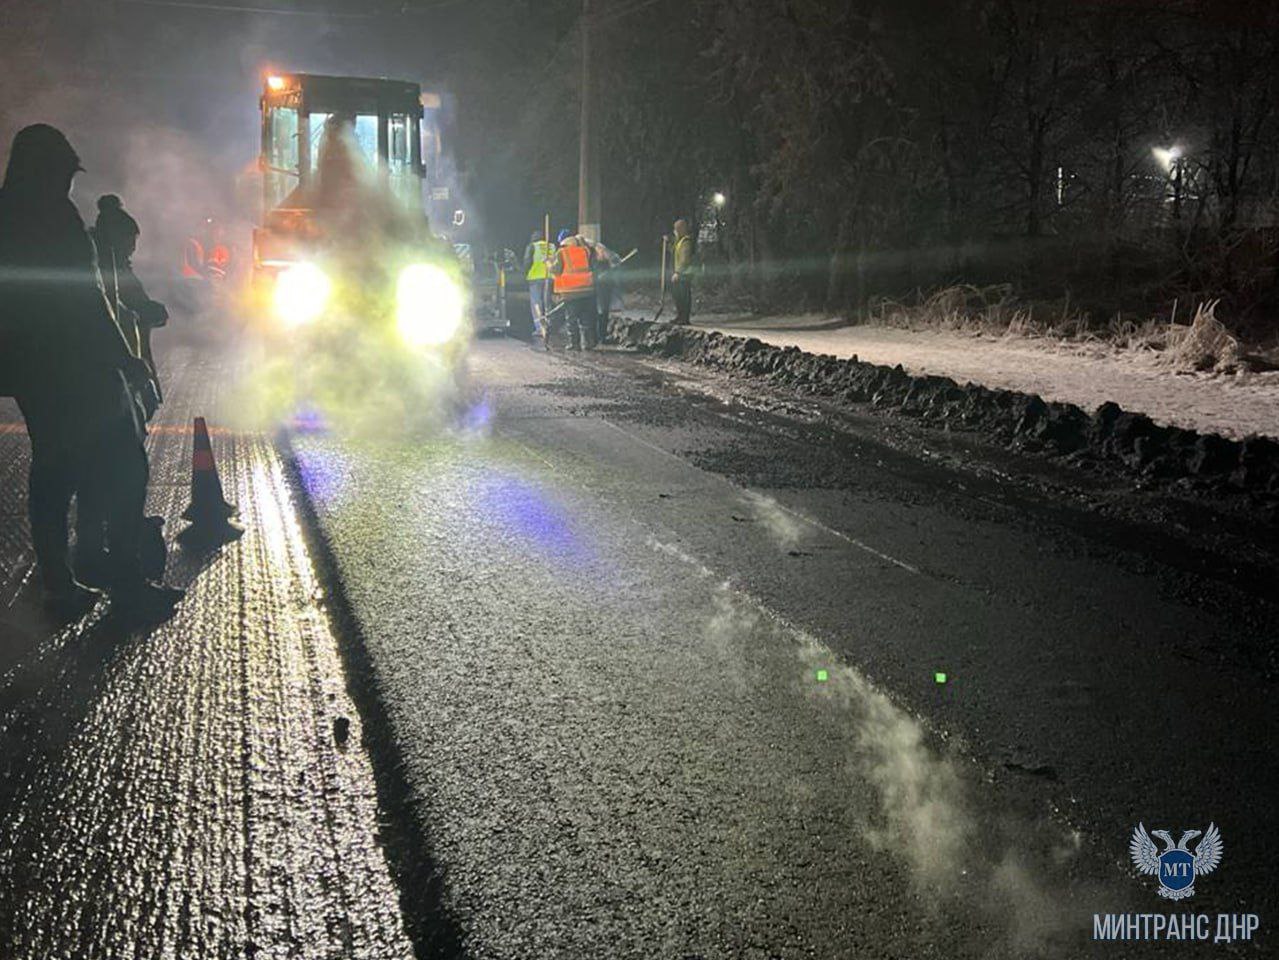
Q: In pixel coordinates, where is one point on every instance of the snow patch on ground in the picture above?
(1085, 374)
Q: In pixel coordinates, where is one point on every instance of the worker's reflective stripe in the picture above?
(576, 275)
(192, 258)
(542, 252)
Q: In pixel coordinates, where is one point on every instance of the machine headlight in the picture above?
(429, 308)
(301, 293)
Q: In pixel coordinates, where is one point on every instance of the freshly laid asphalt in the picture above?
(656, 668)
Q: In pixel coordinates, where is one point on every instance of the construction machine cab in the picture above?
(392, 140)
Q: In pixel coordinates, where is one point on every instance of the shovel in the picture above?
(661, 302)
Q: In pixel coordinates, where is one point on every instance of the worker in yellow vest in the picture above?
(682, 276)
(574, 286)
(538, 256)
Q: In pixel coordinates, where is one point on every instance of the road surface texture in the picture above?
(179, 792)
(655, 660)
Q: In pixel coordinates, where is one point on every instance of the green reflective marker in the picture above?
(939, 678)
(822, 676)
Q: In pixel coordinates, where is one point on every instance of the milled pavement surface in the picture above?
(179, 792)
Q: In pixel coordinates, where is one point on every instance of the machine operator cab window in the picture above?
(380, 124)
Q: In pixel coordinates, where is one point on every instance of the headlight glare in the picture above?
(301, 293)
(428, 306)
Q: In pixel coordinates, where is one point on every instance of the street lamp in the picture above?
(1167, 156)
(1170, 159)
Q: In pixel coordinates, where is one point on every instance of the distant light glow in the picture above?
(822, 676)
(939, 677)
(275, 83)
(1167, 156)
(718, 199)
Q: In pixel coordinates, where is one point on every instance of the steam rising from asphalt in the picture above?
(785, 530)
(924, 814)
(923, 807)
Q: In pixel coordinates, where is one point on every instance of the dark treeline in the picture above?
(1119, 152)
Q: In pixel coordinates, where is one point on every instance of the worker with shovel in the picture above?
(538, 257)
(574, 287)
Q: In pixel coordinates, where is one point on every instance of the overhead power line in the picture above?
(610, 16)
(404, 10)
(235, 8)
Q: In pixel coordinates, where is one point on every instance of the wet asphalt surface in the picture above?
(639, 661)
(179, 791)
(654, 663)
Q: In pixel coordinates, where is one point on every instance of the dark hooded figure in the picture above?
(68, 370)
(115, 237)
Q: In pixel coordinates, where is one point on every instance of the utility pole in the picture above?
(588, 178)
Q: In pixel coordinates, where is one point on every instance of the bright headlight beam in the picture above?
(301, 293)
(428, 306)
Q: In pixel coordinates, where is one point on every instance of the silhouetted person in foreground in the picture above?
(115, 237)
(70, 372)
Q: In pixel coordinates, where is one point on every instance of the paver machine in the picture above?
(364, 314)
(343, 225)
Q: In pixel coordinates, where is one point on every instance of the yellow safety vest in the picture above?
(682, 257)
(542, 252)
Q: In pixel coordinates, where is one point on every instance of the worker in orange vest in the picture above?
(574, 287)
(193, 259)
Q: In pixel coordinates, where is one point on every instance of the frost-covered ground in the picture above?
(1085, 374)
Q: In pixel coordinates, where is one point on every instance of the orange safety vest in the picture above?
(575, 279)
(193, 259)
(219, 259)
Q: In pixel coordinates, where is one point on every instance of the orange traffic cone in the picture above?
(208, 512)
